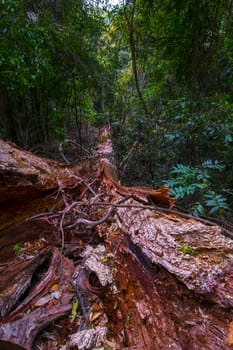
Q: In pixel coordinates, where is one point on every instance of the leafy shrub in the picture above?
(195, 187)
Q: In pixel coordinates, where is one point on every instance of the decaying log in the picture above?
(87, 262)
(25, 175)
(197, 254)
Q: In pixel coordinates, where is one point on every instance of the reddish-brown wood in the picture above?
(147, 278)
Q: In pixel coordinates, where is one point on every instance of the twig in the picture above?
(43, 215)
(90, 224)
(61, 188)
(64, 212)
(128, 155)
(84, 182)
(62, 231)
(92, 200)
(62, 154)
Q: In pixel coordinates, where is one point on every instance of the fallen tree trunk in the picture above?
(86, 262)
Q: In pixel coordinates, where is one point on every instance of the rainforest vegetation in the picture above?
(159, 72)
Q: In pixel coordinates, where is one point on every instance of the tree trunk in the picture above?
(131, 32)
(6, 114)
(88, 262)
(195, 69)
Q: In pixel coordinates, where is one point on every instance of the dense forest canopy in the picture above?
(160, 72)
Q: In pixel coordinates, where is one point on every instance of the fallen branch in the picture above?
(62, 154)
(90, 224)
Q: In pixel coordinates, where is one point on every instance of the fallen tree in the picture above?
(88, 263)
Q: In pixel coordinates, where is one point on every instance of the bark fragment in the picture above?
(88, 339)
(43, 305)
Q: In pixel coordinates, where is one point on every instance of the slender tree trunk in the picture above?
(130, 24)
(229, 16)
(7, 115)
(102, 99)
(78, 118)
(195, 60)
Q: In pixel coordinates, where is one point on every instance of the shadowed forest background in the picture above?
(159, 72)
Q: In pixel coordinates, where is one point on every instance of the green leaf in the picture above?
(213, 165)
(217, 202)
(17, 248)
(197, 209)
(228, 138)
(127, 318)
(74, 310)
(188, 250)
